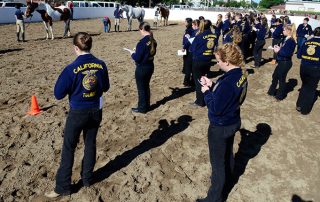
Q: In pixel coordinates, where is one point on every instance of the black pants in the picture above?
(244, 46)
(86, 121)
(220, 141)
(257, 52)
(252, 39)
(187, 70)
(275, 42)
(199, 69)
(310, 76)
(279, 76)
(143, 76)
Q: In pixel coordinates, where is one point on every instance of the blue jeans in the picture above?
(300, 41)
(106, 28)
(88, 122)
(220, 141)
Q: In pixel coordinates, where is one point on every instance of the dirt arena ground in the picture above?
(161, 156)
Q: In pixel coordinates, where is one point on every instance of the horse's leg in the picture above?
(66, 28)
(47, 30)
(130, 23)
(51, 29)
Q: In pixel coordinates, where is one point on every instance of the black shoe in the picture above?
(201, 200)
(137, 110)
(196, 105)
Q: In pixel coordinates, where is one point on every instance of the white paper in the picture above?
(180, 52)
(127, 49)
(100, 102)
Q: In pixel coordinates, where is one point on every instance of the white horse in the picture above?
(133, 13)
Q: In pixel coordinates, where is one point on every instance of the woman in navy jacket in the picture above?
(187, 59)
(84, 81)
(143, 56)
(277, 36)
(303, 32)
(309, 53)
(284, 60)
(202, 49)
(261, 30)
(223, 100)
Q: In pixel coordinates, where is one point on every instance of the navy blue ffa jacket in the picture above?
(261, 32)
(244, 26)
(226, 26)
(287, 49)
(303, 30)
(142, 56)
(202, 46)
(228, 38)
(272, 21)
(185, 41)
(84, 80)
(278, 32)
(226, 97)
(19, 14)
(309, 53)
(117, 13)
(218, 29)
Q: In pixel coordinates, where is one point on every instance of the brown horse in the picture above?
(48, 14)
(164, 13)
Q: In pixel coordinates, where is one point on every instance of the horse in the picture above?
(164, 13)
(133, 13)
(48, 14)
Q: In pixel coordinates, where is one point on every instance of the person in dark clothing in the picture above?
(226, 26)
(261, 30)
(309, 53)
(244, 27)
(143, 56)
(187, 59)
(20, 23)
(217, 29)
(284, 60)
(303, 32)
(202, 53)
(223, 100)
(277, 36)
(272, 25)
(117, 15)
(84, 81)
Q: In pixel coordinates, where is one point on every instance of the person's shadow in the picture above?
(296, 198)
(249, 147)
(158, 137)
(175, 93)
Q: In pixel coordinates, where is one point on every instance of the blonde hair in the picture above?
(237, 35)
(231, 53)
(292, 29)
(201, 27)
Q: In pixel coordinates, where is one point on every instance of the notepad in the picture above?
(270, 47)
(181, 53)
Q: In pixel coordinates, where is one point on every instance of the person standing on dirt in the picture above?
(70, 6)
(202, 53)
(187, 59)
(143, 56)
(284, 59)
(84, 81)
(223, 100)
(20, 23)
(117, 15)
(309, 53)
(304, 30)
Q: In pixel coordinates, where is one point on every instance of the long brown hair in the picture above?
(83, 41)
(146, 27)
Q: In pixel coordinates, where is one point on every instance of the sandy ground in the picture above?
(161, 156)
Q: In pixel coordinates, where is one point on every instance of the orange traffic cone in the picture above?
(34, 110)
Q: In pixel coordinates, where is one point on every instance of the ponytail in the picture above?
(201, 27)
(153, 44)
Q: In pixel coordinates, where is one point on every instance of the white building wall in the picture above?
(302, 6)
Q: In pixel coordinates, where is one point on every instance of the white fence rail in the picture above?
(7, 15)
